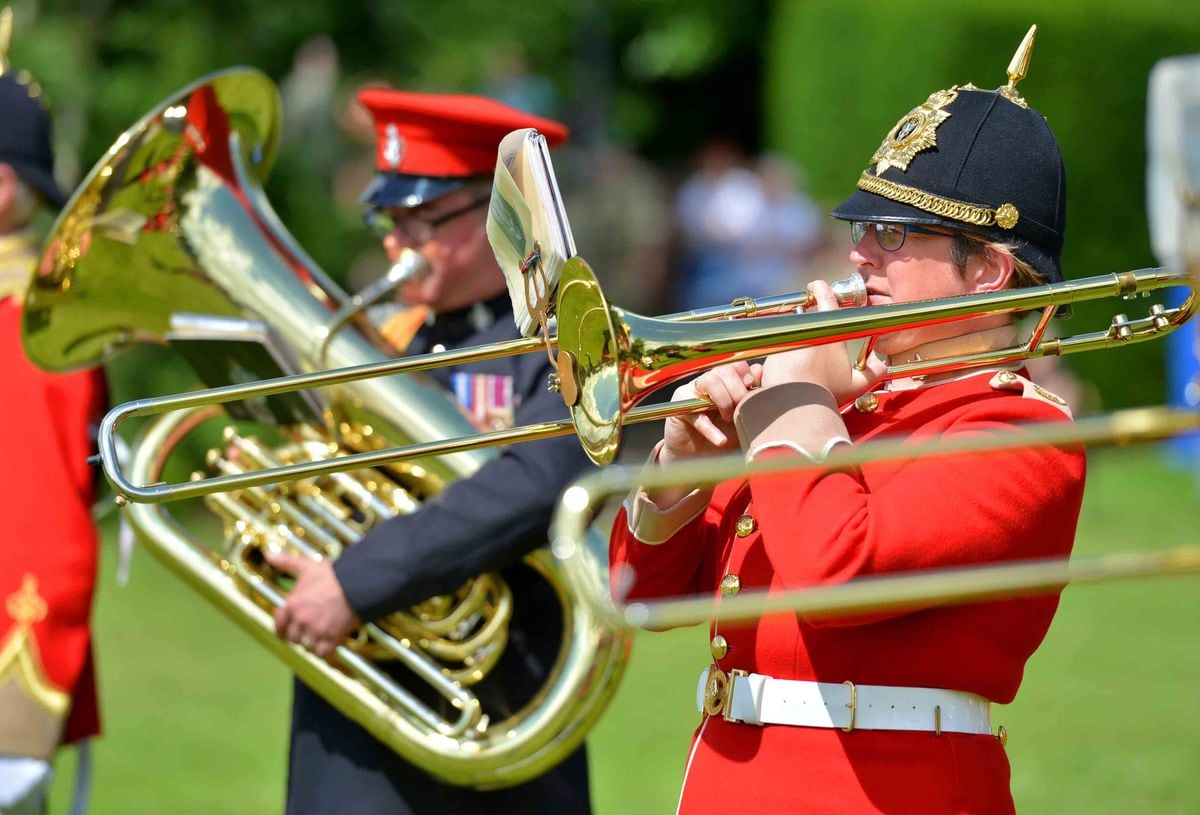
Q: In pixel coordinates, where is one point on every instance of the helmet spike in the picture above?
(1018, 67)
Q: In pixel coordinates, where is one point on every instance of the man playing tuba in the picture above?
(435, 156)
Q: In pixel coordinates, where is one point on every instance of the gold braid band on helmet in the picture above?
(1005, 216)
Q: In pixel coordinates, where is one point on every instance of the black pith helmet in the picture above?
(977, 161)
(25, 126)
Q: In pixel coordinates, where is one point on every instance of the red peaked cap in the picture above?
(429, 144)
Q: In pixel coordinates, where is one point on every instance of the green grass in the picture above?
(196, 715)
(1106, 717)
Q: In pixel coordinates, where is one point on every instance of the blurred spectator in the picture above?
(313, 147)
(620, 219)
(781, 241)
(715, 211)
(308, 93)
(511, 81)
(1173, 211)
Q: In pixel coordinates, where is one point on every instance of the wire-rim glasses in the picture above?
(417, 228)
(890, 237)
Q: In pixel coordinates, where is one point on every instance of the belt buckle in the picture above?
(718, 692)
(853, 705)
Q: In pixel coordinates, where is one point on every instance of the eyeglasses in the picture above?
(890, 237)
(416, 227)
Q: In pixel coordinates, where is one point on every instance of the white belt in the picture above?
(758, 699)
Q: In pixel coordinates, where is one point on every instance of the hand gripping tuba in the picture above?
(170, 240)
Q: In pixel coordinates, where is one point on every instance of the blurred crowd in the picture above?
(729, 225)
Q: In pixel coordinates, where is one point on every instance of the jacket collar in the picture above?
(963, 345)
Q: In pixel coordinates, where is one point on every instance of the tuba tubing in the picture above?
(594, 659)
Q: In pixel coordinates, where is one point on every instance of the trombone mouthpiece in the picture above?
(850, 293)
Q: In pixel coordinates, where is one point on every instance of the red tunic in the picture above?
(47, 546)
(815, 528)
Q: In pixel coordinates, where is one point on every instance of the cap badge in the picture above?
(393, 146)
(917, 131)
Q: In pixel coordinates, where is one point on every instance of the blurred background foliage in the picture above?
(630, 70)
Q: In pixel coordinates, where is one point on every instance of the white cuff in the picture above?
(801, 416)
(791, 445)
(651, 524)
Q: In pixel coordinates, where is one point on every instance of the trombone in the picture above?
(608, 359)
(582, 501)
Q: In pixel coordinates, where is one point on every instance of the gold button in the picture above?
(731, 584)
(745, 525)
(719, 647)
(1002, 736)
(1007, 376)
(866, 403)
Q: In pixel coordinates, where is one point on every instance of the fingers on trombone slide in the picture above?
(725, 387)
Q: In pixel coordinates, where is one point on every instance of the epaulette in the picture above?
(1009, 381)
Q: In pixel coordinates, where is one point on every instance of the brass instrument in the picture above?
(171, 240)
(609, 359)
(580, 503)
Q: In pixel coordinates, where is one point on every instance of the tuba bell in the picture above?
(170, 240)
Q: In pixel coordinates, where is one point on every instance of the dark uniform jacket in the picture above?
(484, 522)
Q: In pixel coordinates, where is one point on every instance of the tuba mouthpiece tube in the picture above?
(410, 266)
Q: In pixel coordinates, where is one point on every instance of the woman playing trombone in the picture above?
(883, 712)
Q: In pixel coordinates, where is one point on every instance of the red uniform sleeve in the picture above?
(826, 527)
(931, 512)
(681, 565)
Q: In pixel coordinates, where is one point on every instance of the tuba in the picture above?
(170, 240)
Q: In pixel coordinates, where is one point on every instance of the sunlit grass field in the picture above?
(1107, 721)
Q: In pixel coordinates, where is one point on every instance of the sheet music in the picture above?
(526, 214)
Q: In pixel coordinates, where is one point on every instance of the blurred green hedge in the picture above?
(839, 75)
